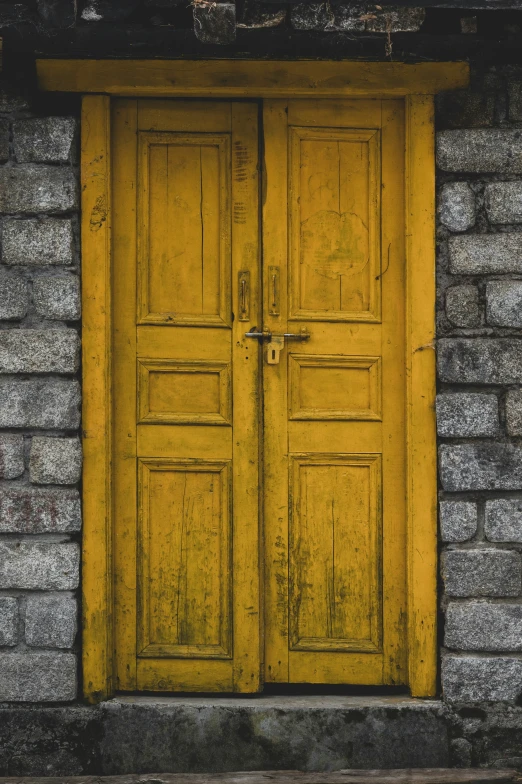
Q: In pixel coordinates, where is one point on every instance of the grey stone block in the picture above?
(29, 510)
(457, 209)
(57, 297)
(504, 303)
(458, 520)
(480, 254)
(11, 456)
(462, 306)
(480, 150)
(253, 15)
(44, 242)
(482, 466)
(480, 360)
(30, 188)
(320, 16)
(393, 19)
(55, 461)
(215, 23)
(479, 626)
(4, 140)
(467, 414)
(503, 202)
(465, 108)
(50, 621)
(503, 521)
(8, 620)
(514, 412)
(14, 296)
(37, 677)
(485, 572)
(356, 17)
(40, 566)
(484, 679)
(39, 351)
(43, 403)
(45, 140)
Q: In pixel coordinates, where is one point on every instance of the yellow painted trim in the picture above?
(96, 412)
(249, 78)
(420, 360)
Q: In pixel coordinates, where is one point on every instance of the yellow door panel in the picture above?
(210, 426)
(334, 216)
(334, 437)
(334, 387)
(184, 391)
(186, 460)
(184, 233)
(184, 547)
(335, 553)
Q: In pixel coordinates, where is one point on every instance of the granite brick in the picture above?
(40, 402)
(38, 677)
(41, 566)
(484, 572)
(39, 351)
(458, 520)
(37, 242)
(31, 188)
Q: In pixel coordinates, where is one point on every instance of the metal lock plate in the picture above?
(276, 344)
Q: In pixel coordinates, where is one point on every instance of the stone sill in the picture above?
(280, 702)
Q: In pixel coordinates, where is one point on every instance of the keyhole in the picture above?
(273, 354)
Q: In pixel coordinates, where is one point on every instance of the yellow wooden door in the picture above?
(185, 239)
(334, 406)
(195, 447)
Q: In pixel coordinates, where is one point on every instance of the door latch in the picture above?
(276, 342)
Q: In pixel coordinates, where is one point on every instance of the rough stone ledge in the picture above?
(215, 735)
(224, 734)
(361, 776)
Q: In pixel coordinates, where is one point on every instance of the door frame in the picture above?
(416, 84)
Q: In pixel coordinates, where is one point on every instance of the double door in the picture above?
(259, 393)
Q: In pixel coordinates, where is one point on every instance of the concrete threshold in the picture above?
(135, 735)
(307, 733)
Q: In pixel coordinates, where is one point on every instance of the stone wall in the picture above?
(40, 451)
(479, 403)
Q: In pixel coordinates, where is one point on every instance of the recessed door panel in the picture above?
(185, 548)
(334, 190)
(183, 391)
(334, 387)
(184, 248)
(335, 545)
